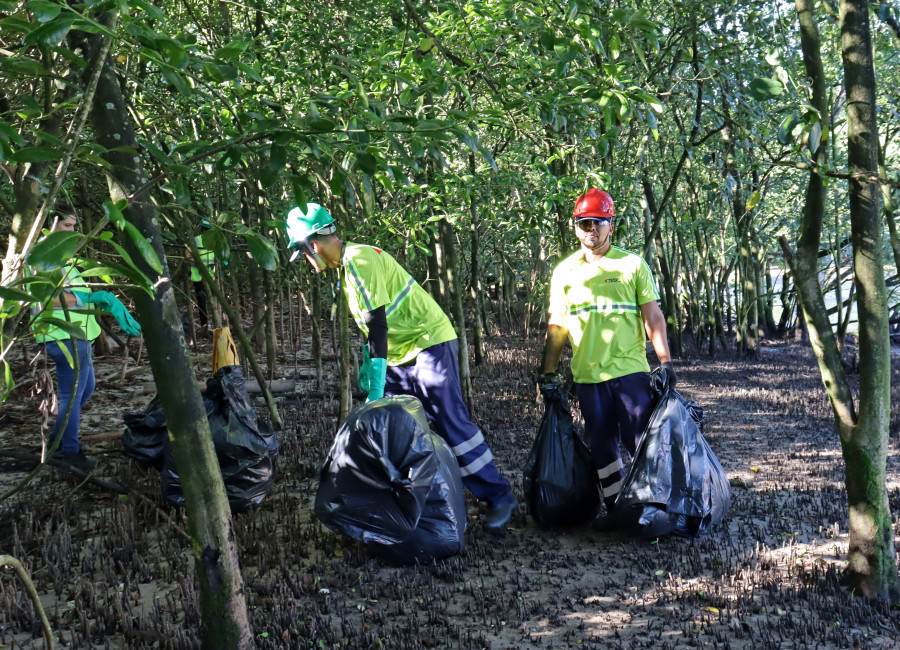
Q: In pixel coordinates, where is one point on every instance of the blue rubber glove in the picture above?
(108, 302)
(377, 378)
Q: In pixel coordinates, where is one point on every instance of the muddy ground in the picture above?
(114, 571)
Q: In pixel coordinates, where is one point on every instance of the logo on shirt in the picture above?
(613, 280)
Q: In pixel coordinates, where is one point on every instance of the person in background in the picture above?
(603, 300)
(208, 259)
(412, 347)
(73, 304)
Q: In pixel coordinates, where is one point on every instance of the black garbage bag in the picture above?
(675, 483)
(146, 436)
(391, 483)
(560, 482)
(246, 447)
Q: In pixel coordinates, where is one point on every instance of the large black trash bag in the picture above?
(246, 447)
(146, 436)
(675, 483)
(391, 483)
(560, 483)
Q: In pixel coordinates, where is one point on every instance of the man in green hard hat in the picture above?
(411, 344)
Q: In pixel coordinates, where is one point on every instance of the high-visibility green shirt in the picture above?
(600, 305)
(87, 322)
(206, 256)
(371, 278)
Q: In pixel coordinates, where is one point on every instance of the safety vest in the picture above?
(371, 279)
(206, 256)
(600, 305)
(87, 322)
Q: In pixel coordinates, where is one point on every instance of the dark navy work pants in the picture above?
(614, 411)
(433, 378)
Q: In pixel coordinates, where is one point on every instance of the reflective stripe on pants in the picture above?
(615, 411)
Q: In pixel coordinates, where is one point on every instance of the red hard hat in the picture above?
(594, 204)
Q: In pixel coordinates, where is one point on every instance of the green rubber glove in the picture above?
(377, 378)
(365, 369)
(108, 302)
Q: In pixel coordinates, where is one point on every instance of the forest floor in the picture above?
(114, 570)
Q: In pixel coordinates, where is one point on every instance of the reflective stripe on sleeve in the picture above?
(400, 297)
(359, 285)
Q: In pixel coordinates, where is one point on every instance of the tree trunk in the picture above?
(872, 567)
(315, 319)
(225, 623)
(475, 288)
(457, 313)
(888, 207)
(272, 299)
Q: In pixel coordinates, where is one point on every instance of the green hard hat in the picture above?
(301, 225)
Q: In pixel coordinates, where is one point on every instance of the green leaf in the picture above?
(753, 200)
(615, 46)
(763, 88)
(53, 32)
(227, 70)
(322, 125)
(27, 67)
(135, 274)
(113, 212)
(14, 294)
(425, 46)
(182, 193)
(357, 133)
(35, 154)
(262, 250)
(9, 133)
(268, 177)
(366, 162)
(44, 11)
(70, 56)
(815, 137)
(230, 158)
(216, 241)
(173, 53)
(144, 247)
(72, 329)
(249, 71)
(361, 93)
(786, 129)
(337, 183)
(547, 39)
(53, 251)
(179, 81)
(232, 50)
(212, 73)
(154, 13)
(277, 157)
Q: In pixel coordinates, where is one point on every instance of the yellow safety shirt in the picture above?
(371, 279)
(600, 304)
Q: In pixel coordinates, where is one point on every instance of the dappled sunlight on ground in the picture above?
(766, 577)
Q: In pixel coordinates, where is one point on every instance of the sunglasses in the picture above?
(589, 223)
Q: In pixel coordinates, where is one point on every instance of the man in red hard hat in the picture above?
(603, 299)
